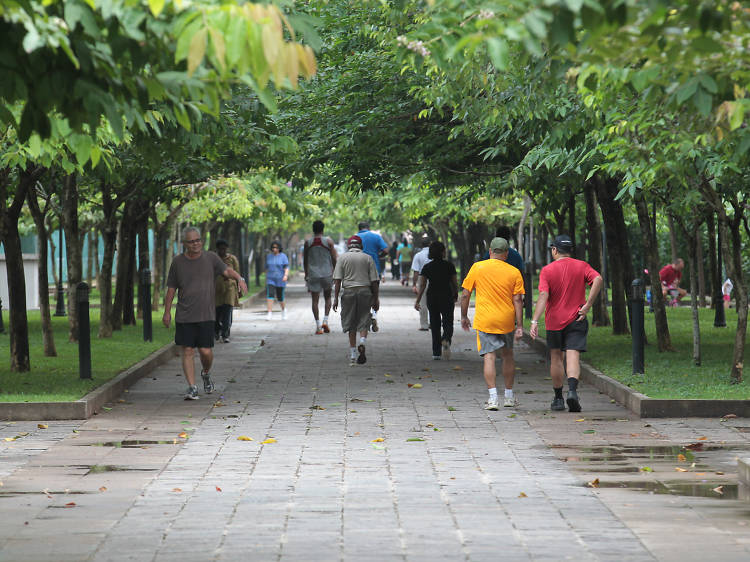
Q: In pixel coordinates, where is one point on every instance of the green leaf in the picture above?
(415, 439)
(498, 51)
(703, 101)
(574, 5)
(708, 83)
(81, 146)
(744, 144)
(687, 90)
(181, 115)
(589, 431)
(736, 115)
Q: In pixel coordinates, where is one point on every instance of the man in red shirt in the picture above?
(670, 276)
(562, 295)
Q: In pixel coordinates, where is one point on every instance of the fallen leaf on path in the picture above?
(10, 438)
(702, 438)
(183, 435)
(458, 368)
(177, 489)
(70, 504)
(430, 425)
(418, 385)
(623, 419)
(681, 457)
(219, 404)
(646, 469)
(680, 469)
(594, 483)
(729, 416)
(218, 489)
(42, 425)
(451, 409)
(390, 380)
(635, 434)
(719, 490)
(378, 440)
(244, 438)
(103, 489)
(581, 420)
(700, 473)
(415, 439)
(589, 431)
(316, 407)
(719, 472)
(522, 495)
(386, 374)
(409, 384)
(694, 446)
(268, 441)
(378, 447)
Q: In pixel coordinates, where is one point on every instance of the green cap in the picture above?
(499, 245)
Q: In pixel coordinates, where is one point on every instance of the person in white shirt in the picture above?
(418, 262)
(726, 291)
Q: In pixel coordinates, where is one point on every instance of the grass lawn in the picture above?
(673, 375)
(55, 379)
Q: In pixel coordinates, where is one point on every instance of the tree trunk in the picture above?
(701, 273)
(91, 235)
(18, 323)
(651, 253)
(52, 249)
(73, 248)
(714, 275)
(691, 233)
(620, 262)
(38, 215)
(123, 274)
(600, 315)
(109, 236)
(144, 263)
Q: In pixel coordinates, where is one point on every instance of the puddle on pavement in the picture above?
(99, 468)
(688, 489)
(134, 444)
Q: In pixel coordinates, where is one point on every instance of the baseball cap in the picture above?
(499, 244)
(562, 242)
(354, 240)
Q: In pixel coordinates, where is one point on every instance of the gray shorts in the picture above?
(355, 309)
(487, 343)
(319, 284)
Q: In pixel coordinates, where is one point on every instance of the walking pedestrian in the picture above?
(498, 316)
(192, 277)
(417, 263)
(562, 297)
(374, 246)
(227, 293)
(393, 254)
(439, 278)
(404, 260)
(355, 272)
(277, 274)
(319, 259)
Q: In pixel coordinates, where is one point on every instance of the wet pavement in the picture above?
(297, 455)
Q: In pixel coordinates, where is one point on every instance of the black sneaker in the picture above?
(192, 393)
(558, 405)
(374, 324)
(361, 359)
(573, 404)
(208, 384)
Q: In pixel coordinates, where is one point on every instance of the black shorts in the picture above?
(572, 336)
(274, 291)
(194, 334)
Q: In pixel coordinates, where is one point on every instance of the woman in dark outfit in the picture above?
(442, 293)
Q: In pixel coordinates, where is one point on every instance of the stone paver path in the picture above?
(361, 463)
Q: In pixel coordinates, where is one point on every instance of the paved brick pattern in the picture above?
(160, 478)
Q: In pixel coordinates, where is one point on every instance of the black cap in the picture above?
(562, 242)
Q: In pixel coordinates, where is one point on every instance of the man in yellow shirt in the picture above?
(498, 316)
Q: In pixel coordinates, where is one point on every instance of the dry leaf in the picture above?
(269, 440)
(409, 384)
(177, 489)
(700, 473)
(183, 435)
(594, 483)
(522, 495)
(378, 440)
(646, 469)
(386, 374)
(680, 469)
(42, 425)
(719, 490)
(694, 446)
(681, 457)
(9, 439)
(70, 504)
(581, 419)
(418, 385)
(458, 368)
(729, 416)
(719, 472)
(103, 489)
(702, 438)
(244, 438)
(218, 489)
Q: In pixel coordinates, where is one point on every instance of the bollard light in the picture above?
(637, 326)
(84, 331)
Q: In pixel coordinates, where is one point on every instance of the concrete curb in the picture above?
(91, 403)
(646, 407)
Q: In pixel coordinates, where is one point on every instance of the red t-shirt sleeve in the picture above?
(543, 284)
(590, 274)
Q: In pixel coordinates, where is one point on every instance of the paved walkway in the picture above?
(360, 463)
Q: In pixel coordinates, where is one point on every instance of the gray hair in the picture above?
(190, 229)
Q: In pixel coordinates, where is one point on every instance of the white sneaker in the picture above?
(269, 316)
(509, 402)
(283, 314)
(491, 404)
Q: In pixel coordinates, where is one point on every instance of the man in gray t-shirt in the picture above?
(192, 277)
(319, 260)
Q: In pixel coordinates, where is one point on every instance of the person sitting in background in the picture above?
(670, 276)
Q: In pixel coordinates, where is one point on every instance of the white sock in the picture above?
(509, 393)
(317, 324)
(362, 340)
(493, 393)
(353, 351)
(325, 319)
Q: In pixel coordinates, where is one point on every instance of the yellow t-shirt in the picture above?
(495, 283)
